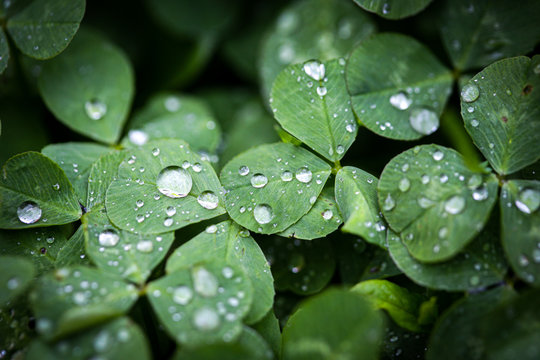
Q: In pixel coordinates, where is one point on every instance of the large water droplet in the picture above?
(204, 282)
(259, 180)
(400, 101)
(29, 212)
(528, 201)
(389, 203)
(303, 175)
(206, 319)
(174, 182)
(480, 194)
(404, 184)
(170, 210)
(208, 200)
(138, 137)
(168, 222)
(327, 214)
(145, 246)
(182, 295)
(470, 93)
(314, 69)
(454, 205)
(424, 121)
(438, 155)
(286, 175)
(95, 109)
(263, 213)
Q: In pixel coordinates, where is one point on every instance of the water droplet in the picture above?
(404, 184)
(470, 93)
(13, 283)
(480, 194)
(424, 202)
(454, 205)
(139, 218)
(139, 203)
(400, 101)
(286, 175)
(197, 167)
(474, 280)
(443, 178)
(303, 175)
(438, 155)
(172, 103)
(95, 109)
(29, 212)
(208, 200)
(425, 179)
(174, 182)
(108, 238)
(212, 229)
(327, 214)
(424, 121)
(350, 127)
(321, 90)
(182, 295)
(263, 213)
(340, 149)
(243, 170)
(389, 203)
(443, 232)
(168, 222)
(145, 246)
(314, 69)
(528, 201)
(155, 151)
(386, 9)
(259, 181)
(56, 186)
(206, 319)
(227, 272)
(474, 181)
(170, 211)
(204, 282)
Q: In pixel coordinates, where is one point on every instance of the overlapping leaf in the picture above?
(393, 9)
(16, 273)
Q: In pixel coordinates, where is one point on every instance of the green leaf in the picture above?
(399, 95)
(336, 324)
(171, 115)
(72, 253)
(119, 338)
(34, 191)
(163, 186)
(4, 51)
(393, 9)
(520, 203)
(259, 199)
(44, 28)
(89, 87)
(311, 102)
(479, 265)
(16, 328)
(16, 273)
(76, 160)
(402, 305)
(434, 201)
(268, 328)
(356, 196)
(71, 299)
(307, 30)
(303, 267)
(191, 308)
(477, 33)
(500, 109)
(102, 173)
(227, 243)
(322, 219)
(129, 255)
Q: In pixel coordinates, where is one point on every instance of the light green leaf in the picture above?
(322, 219)
(102, 173)
(397, 94)
(89, 87)
(479, 265)
(500, 109)
(120, 252)
(311, 29)
(71, 299)
(311, 102)
(34, 191)
(269, 329)
(303, 267)
(520, 203)
(44, 28)
(227, 243)
(193, 311)
(72, 253)
(402, 305)
(434, 201)
(171, 115)
(119, 338)
(336, 324)
(76, 160)
(477, 33)
(16, 273)
(272, 186)
(4, 51)
(163, 186)
(393, 9)
(356, 196)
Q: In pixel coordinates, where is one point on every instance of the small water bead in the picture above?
(350, 128)
(204, 282)
(470, 93)
(314, 69)
(321, 91)
(206, 319)
(443, 178)
(197, 167)
(405, 167)
(424, 121)
(425, 202)
(454, 205)
(139, 203)
(174, 182)
(145, 246)
(56, 186)
(182, 295)
(208, 200)
(108, 238)
(168, 222)
(386, 8)
(480, 194)
(95, 109)
(263, 213)
(212, 229)
(528, 201)
(29, 212)
(303, 175)
(286, 175)
(438, 155)
(474, 280)
(404, 185)
(139, 218)
(400, 101)
(425, 179)
(389, 203)
(443, 232)
(227, 272)
(172, 103)
(474, 181)
(13, 283)
(259, 181)
(537, 69)
(470, 109)
(327, 214)
(155, 151)
(243, 170)
(170, 211)
(475, 123)
(340, 149)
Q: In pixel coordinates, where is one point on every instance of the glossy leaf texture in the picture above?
(477, 33)
(102, 173)
(227, 243)
(16, 274)
(336, 323)
(44, 28)
(4, 51)
(311, 102)
(393, 9)
(434, 201)
(34, 191)
(395, 101)
(356, 196)
(163, 186)
(261, 182)
(311, 29)
(500, 109)
(89, 88)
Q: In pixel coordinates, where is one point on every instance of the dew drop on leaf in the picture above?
(182, 295)
(424, 202)
(227, 272)
(475, 123)
(208, 200)
(138, 137)
(170, 211)
(321, 90)
(470, 93)
(424, 121)
(145, 246)
(29, 212)
(286, 175)
(314, 69)
(327, 214)
(168, 222)
(212, 229)
(443, 232)
(155, 151)
(454, 205)
(474, 181)
(350, 128)
(389, 203)
(303, 175)
(480, 194)
(259, 181)
(404, 184)
(174, 182)
(197, 167)
(108, 238)
(172, 104)
(528, 201)
(206, 319)
(400, 101)
(204, 282)
(243, 170)
(263, 213)
(438, 155)
(95, 109)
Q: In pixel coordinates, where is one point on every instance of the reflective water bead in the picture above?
(108, 238)
(321, 90)
(263, 213)
(170, 211)
(480, 194)
(303, 175)
(424, 121)
(327, 214)
(400, 101)
(227, 272)
(425, 202)
(212, 229)
(208, 200)
(139, 203)
(243, 170)
(470, 93)
(454, 205)
(168, 222)
(204, 282)
(29, 212)
(404, 185)
(155, 151)
(286, 175)
(172, 103)
(528, 201)
(340, 149)
(197, 167)
(350, 128)
(438, 155)
(389, 203)
(145, 246)
(259, 180)
(182, 295)
(474, 123)
(174, 182)
(206, 319)
(474, 181)
(95, 109)
(314, 69)
(443, 232)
